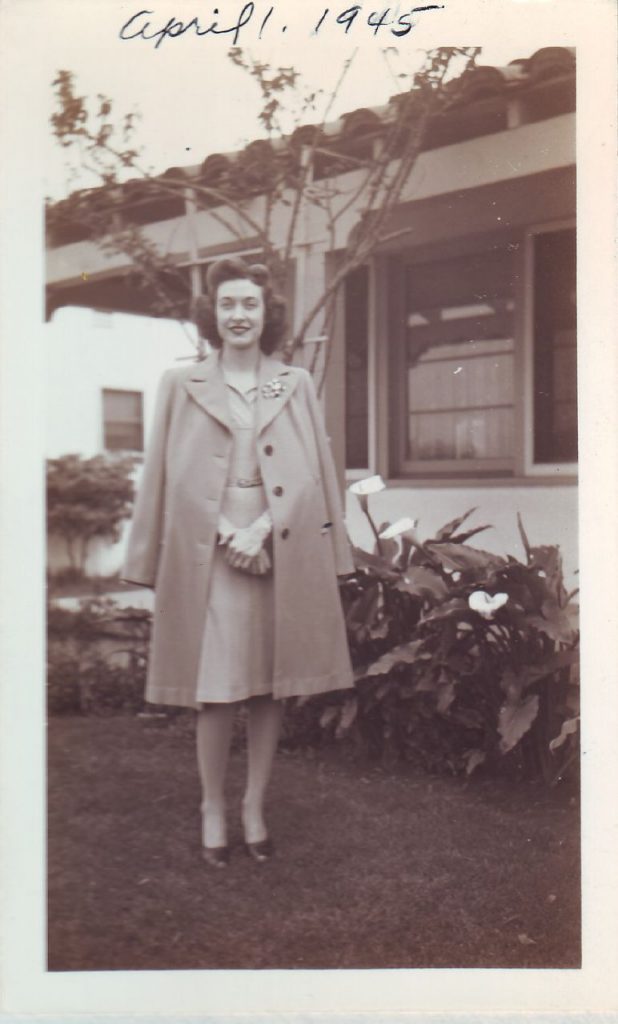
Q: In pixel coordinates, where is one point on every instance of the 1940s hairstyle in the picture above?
(235, 269)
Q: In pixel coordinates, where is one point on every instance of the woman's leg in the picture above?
(214, 734)
(263, 727)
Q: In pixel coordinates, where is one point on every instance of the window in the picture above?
(123, 421)
(459, 364)
(356, 369)
(555, 353)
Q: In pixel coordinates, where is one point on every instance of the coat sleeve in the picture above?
(145, 534)
(341, 545)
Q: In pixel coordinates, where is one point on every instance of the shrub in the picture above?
(88, 498)
(97, 657)
(461, 656)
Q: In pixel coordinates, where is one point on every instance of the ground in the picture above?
(374, 868)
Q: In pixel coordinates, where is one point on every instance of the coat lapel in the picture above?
(207, 387)
(273, 371)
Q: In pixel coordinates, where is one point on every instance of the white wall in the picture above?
(87, 351)
(549, 516)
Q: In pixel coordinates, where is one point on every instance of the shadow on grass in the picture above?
(374, 869)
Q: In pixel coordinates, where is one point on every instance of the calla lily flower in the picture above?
(486, 605)
(362, 489)
(370, 485)
(404, 525)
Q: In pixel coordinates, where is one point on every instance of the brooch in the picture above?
(273, 388)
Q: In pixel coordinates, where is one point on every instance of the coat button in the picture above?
(268, 449)
(285, 533)
(278, 491)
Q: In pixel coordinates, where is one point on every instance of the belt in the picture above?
(255, 481)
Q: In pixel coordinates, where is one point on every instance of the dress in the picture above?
(236, 658)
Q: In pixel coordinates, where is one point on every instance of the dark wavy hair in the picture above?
(236, 269)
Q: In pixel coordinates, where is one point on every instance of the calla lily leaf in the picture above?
(446, 696)
(459, 538)
(422, 582)
(348, 715)
(473, 758)
(403, 654)
(514, 721)
(366, 560)
(448, 530)
(462, 557)
(569, 727)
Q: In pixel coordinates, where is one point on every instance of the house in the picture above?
(102, 373)
(452, 361)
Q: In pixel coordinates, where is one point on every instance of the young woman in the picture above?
(238, 526)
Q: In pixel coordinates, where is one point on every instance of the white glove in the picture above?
(245, 545)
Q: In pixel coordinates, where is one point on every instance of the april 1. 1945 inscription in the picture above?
(253, 21)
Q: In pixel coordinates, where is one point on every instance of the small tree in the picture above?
(88, 498)
(298, 167)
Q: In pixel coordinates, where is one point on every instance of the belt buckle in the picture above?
(245, 482)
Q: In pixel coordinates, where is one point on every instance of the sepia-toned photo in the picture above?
(309, 363)
(411, 263)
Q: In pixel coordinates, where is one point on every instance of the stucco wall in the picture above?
(549, 516)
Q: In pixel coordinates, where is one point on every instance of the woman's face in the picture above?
(240, 313)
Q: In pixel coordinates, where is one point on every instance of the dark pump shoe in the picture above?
(261, 851)
(216, 856)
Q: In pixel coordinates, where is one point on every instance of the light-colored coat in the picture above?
(174, 530)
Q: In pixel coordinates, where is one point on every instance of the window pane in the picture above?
(123, 421)
(462, 408)
(123, 437)
(460, 359)
(555, 354)
(122, 405)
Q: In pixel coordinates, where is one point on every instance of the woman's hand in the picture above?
(245, 548)
(257, 565)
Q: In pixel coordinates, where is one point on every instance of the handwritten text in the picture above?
(252, 22)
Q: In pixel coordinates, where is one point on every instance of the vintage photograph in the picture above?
(307, 526)
(311, 491)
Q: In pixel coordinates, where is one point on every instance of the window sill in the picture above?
(491, 482)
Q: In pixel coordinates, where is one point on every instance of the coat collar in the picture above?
(206, 386)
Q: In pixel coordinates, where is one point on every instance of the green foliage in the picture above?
(88, 498)
(462, 651)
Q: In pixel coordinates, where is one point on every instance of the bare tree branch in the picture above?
(279, 184)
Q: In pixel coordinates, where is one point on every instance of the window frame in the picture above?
(530, 467)
(521, 465)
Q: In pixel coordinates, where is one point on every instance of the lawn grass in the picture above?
(373, 868)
